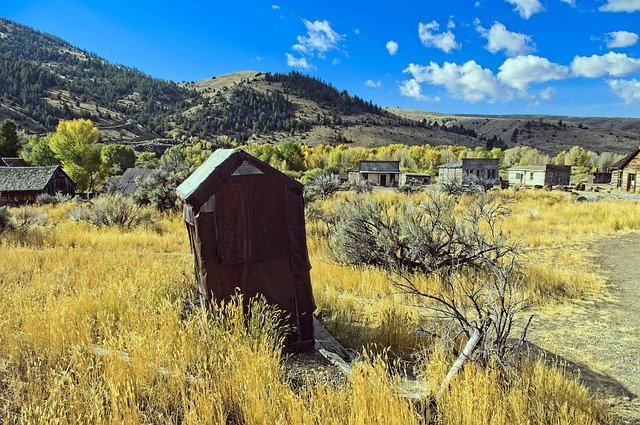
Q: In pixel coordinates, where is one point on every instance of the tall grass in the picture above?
(92, 330)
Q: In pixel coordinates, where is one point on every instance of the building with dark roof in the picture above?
(379, 173)
(24, 184)
(127, 183)
(13, 162)
(625, 171)
(246, 228)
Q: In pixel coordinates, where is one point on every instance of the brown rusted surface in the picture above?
(246, 228)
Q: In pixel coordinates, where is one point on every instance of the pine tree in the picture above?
(9, 143)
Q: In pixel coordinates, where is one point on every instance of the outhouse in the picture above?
(245, 221)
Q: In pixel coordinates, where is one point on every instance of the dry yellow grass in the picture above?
(74, 299)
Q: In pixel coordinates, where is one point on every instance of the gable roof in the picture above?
(222, 164)
(127, 184)
(25, 179)
(379, 166)
(625, 161)
(13, 162)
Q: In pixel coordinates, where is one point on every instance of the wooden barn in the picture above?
(539, 175)
(24, 184)
(127, 183)
(246, 228)
(624, 172)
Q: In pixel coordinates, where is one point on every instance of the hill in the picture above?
(44, 79)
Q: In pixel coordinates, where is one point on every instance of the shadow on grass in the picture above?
(598, 383)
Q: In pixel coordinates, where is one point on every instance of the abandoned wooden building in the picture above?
(379, 173)
(485, 170)
(624, 172)
(127, 183)
(246, 228)
(415, 179)
(24, 184)
(539, 175)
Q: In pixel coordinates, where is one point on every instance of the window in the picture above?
(530, 176)
(365, 176)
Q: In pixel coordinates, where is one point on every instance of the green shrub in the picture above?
(114, 210)
(45, 198)
(6, 222)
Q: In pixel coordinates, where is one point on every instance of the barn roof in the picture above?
(222, 164)
(25, 179)
(379, 166)
(626, 160)
(13, 162)
(127, 184)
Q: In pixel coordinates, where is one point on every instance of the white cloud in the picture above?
(444, 41)
(450, 24)
(335, 61)
(469, 81)
(614, 64)
(620, 6)
(392, 47)
(477, 4)
(320, 38)
(522, 71)
(569, 2)
(621, 39)
(373, 84)
(294, 62)
(356, 31)
(499, 38)
(526, 8)
(629, 90)
(275, 6)
(411, 88)
(548, 93)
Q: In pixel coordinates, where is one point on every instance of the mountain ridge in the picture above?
(44, 79)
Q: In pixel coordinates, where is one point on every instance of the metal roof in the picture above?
(25, 179)
(379, 166)
(13, 162)
(454, 164)
(528, 168)
(213, 173)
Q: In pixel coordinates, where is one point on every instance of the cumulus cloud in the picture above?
(526, 8)
(450, 24)
(295, 62)
(392, 47)
(275, 6)
(613, 64)
(628, 6)
(373, 84)
(444, 41)
(621, 39)
(499, 38)
(320, 38)
(522, 71)
(356, 31)
(411, 88)
(469, 81)
(629, 90)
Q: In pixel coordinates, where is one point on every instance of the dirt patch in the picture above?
(599, 338)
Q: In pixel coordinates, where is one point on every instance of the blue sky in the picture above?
(562, 57)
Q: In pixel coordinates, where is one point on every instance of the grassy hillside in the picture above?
(44, 79)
